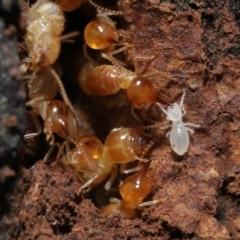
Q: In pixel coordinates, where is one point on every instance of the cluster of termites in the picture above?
(94, 162)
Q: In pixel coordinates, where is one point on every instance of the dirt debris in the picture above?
(48, 212)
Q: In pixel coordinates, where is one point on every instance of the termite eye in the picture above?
(141, 90)
(91, 145)
(68, 5)
(100, 35)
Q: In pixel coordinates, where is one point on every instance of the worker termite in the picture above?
(105, 80)
(42, 86)
(69, 5)
(122, 145)
(43, 37)
(88, 161)
(125, 145)
(95, 162)
(45, 25)
(133, 190)
(178, 135)
(102, 33)
(59, 117)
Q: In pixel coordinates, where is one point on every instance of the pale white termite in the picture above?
(178, 135)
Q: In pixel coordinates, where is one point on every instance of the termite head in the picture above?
(91, 146)
(141, 91)
(101, 34)
(136, 187)
(123, 144)
(174, 112)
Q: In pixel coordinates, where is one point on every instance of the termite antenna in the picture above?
(69, 35)
(68, 41)
(147, 148)
(85, 53)
(105, 10)
(115, 62)
(65, 97)
(155, 125)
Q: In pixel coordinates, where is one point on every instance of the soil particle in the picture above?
(51, 208)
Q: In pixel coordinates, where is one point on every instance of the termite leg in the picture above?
(130, 170)
(165, 127)
(114, 61)
(35, 100)
(149, 203)
(87, 184)
(69, 35)
(114, 200)
(141, 159)
(137, 59)
(192, 125)
(168, 134)
(61, 149)
(103, 11)
(110, 181)
(121, 49)
(37, 125)
(135, 115)
(50, 150)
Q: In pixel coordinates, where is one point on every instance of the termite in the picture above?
(133, 190)
(105, 80)
(102, 33)
(125, 145)
(95, 161)
(45, 25)
(59, 117)
(87, 159)
(178, 135)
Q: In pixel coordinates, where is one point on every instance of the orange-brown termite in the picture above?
(133, 190)
(95, 162)
(102, 33)
(125, 145)
(87, 159)
(105, 80)
(59, 117)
